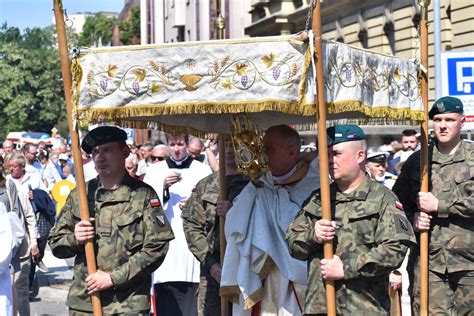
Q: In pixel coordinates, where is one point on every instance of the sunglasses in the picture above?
(155, 158)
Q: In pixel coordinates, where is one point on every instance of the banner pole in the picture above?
(424, 237)
(323, 148)
(75, 147)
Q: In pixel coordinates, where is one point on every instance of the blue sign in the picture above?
(129, 132)
(460, 76)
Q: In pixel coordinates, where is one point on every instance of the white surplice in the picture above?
(179, 265)
(255, 230)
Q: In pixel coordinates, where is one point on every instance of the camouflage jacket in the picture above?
(200, 222)
(132, 236)
(451, 180)
(372, 237)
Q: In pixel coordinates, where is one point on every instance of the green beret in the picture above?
(446, 105)
(344, 133)
(102, 135)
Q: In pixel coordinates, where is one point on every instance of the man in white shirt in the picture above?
(176, 281)
(23, 181)
(146, 151)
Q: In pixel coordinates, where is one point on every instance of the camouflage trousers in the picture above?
(209, 302)
(449, 294)
(22, 287)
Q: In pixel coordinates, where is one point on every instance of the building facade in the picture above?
(168, 21)
(386, 26)
(125, 15)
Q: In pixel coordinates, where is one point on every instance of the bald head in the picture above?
(289, 136)
(282, 146)
(195, 147)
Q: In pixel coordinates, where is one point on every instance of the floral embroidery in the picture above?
(224, 73)
(367, 77)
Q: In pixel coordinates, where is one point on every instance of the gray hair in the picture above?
(20, 159)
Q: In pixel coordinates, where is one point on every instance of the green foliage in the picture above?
(31, 86)
(97, 27)
(130, 29)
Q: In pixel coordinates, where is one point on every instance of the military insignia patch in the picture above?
(441, 107)
(404, 224)
(161, 220)
(155, 202)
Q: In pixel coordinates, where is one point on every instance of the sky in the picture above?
(38, 13)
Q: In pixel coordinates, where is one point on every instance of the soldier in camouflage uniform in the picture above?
(446, 211)
(369, 230)
(201, 216)
(130, 232)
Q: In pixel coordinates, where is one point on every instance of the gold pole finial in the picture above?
(424, 4)
(219, 24)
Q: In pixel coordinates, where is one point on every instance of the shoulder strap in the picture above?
(15, 203)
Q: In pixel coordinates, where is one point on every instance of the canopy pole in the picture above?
(223, 196)
(424, 238)
(323, 148)
(76, 152)
(219, 24)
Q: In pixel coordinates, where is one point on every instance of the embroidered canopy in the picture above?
(200, 85)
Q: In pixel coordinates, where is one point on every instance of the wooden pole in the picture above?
(323, 148)
(219, 24)
(223, 196)
(424, 237)
(76, 152)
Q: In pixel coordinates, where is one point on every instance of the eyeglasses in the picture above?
(155, 158)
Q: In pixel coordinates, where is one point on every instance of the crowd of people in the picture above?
(27, 177)
(156, 212)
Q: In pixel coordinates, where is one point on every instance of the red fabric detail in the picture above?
(256, 310)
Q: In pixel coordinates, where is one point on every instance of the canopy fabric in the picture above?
(373, 87)
(198, 86)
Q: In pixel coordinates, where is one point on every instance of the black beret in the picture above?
(446, 105)
(102, 135)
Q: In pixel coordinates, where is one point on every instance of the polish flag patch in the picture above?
(399, 205)
(155, 202)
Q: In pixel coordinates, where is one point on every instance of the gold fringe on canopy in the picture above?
(187, 87)
(390, 115)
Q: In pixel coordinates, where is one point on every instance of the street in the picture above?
(54, 286)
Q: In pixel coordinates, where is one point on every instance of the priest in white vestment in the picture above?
(258, 270)
(177, 279)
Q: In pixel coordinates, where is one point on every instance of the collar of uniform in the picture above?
(359, 194)
(459, 154)
(121, 193)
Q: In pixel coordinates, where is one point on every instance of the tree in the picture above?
(97, 27)
(130, 30)
(31, 88)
